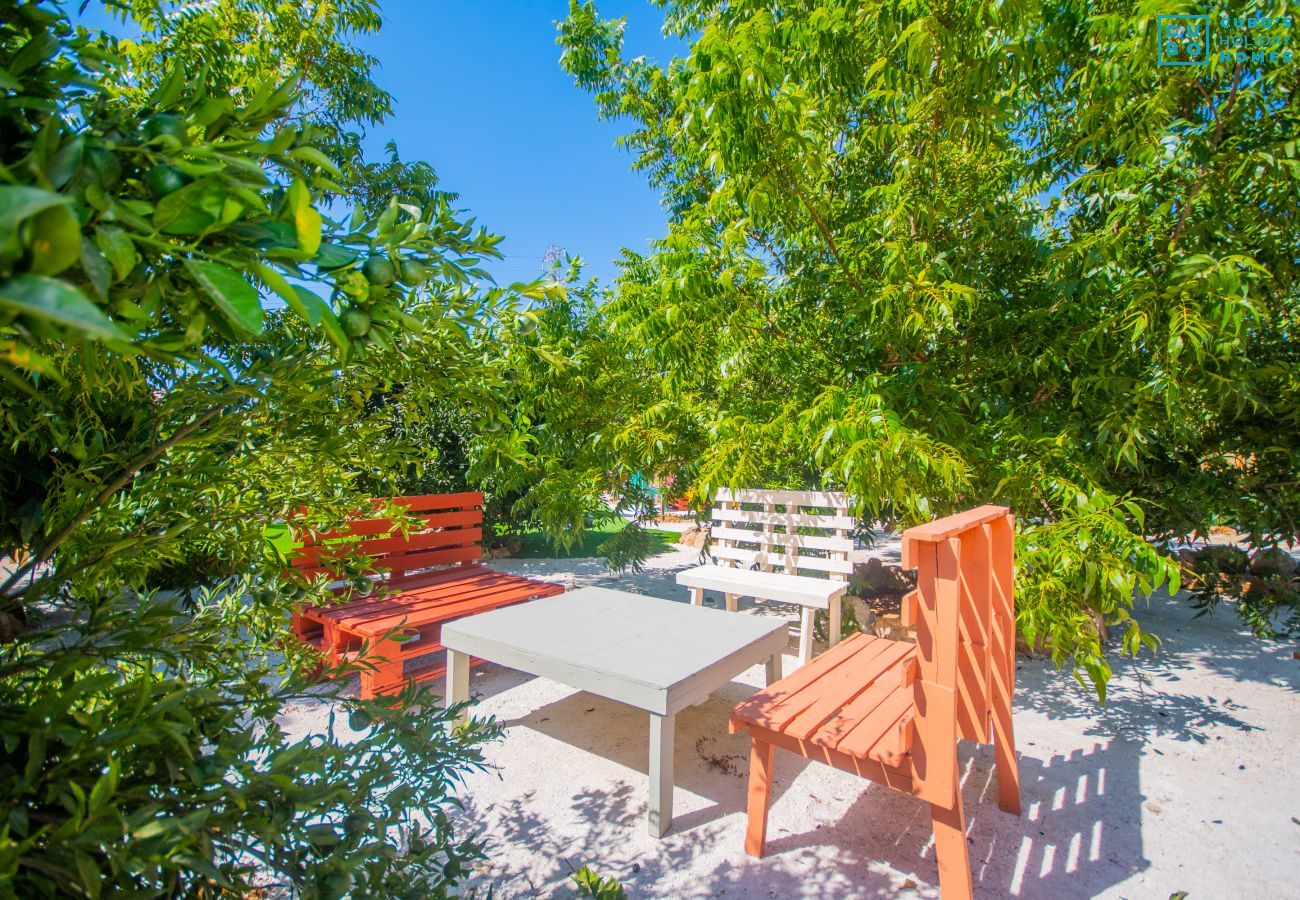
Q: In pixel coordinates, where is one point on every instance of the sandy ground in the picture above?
(1186, 781)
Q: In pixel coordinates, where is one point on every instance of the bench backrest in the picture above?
(798, 532)
(964, 612)
(448, 530)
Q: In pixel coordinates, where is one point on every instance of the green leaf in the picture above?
(55, 241)
(58, 302)
(307, 221)
(328, 320)
(234, 297)
(118, 249)
(98, 272)
(170, 90)
(19, 203)
(314, 156)
(332, 256)
(65, 162)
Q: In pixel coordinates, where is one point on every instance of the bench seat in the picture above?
(856, 699)
(422, 578)
(801, 589)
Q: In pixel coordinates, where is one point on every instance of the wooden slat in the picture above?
(426, 594)
(843, 697)
(761, 706)
(427, 580)
(897, 779)
(427, 502)
(836, 688)
(383, 546)
(777, 586)
(827, 499)
(487, 598)
(974, 657)
(798, 520)
(879, 723)
(895, 741)
(769, 558)
(406, 562)
(424, 540)
(800, 541)
(951, 526)
(365, 527)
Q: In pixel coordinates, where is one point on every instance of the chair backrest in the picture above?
(964, 612)
(447, 530)
(798, 531)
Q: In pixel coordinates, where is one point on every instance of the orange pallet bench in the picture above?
(425, 577)
(892, 711)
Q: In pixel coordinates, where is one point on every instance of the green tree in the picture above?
(948, 253)
(584, 428)
(192, 347)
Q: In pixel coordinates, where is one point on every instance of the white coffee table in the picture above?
(658, 655)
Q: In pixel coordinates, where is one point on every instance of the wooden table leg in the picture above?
(457, 680)
(774, 668)
(662, 729)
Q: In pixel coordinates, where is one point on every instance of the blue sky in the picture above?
(481, 96)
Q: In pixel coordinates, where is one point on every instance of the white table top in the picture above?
(659, 655)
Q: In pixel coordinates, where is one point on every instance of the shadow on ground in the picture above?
(1072, 841)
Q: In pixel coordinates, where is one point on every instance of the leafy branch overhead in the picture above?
(946, 254)
(206, 297)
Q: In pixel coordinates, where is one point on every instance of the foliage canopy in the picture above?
(951, 253)
(195, 350)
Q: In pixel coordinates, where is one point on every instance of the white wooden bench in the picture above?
(756, 530)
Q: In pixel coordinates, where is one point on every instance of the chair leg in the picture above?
(380, 672)
(950, 850)
(761, 758)
(835, 622)
(1004, 755)
(806, 634)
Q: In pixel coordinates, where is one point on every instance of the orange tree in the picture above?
(191, 347)
(940, 254)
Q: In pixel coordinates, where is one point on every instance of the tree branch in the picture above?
(1220, 118)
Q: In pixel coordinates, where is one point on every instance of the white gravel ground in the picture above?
(1186, 781)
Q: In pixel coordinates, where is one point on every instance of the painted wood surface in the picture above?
(658, 655)
(893, 711)
(762, 540)
(423, 574)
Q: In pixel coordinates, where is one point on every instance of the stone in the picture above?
(862, 613)
(507, 547)
(695, 536)
(1186, 560)
(11, 627)
(1224, 558)
(892, 628)
(1273, 562)
(873, 577)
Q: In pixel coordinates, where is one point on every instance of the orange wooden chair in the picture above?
(893, 711)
